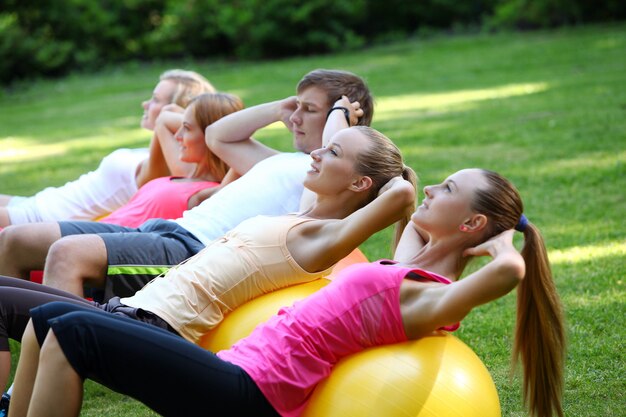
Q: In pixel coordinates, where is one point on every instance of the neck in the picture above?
(204, 173)
(442, 256)
(333, 207)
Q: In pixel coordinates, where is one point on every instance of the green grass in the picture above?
(546, 109)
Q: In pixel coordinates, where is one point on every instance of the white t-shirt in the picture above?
(92, 195)
(272, 187)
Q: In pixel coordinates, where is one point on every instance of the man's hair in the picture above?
(338, 83)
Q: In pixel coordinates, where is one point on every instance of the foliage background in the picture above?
(546, 108)
(52, 38)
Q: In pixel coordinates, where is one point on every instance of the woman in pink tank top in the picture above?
(178, 146)
(273, 371)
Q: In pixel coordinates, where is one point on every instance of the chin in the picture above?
(299, 148)
(308, 183)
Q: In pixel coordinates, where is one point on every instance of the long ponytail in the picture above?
(539, 329)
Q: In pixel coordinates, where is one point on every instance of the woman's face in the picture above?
(161, 96)
(333, 167)
(446, 206)
(190, 137)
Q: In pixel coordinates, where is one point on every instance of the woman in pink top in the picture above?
(179, 146)
(273, 371)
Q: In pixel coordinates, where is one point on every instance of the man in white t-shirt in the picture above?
(121, 260)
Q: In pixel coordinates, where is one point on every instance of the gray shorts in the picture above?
(136, 256)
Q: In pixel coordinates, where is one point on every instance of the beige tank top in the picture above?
(250, 260)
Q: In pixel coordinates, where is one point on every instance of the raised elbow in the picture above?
(515, 269)
(406, 196)
(210, 137)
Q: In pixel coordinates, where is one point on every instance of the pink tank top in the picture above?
(161, 198)
(294, 350)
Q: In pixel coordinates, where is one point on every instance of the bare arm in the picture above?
(323, 243)
(336, 120)
(230, 138)
(163, 159)
(168, 123)
(440, 305)
(410, 244)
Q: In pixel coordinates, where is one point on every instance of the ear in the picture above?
(361, 184)
(475, 223)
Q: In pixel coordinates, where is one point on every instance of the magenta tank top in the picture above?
(293, 351)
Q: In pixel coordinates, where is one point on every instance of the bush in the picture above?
(532, 14)
(257, 28)
(51, 38)
(41, 37)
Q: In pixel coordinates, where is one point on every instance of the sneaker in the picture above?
(4, 405)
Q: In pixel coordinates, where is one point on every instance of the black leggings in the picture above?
(17, 297)
(167, 373)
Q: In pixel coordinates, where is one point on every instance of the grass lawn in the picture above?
(546, 109)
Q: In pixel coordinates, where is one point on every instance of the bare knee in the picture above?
(24, 247)
(74, 261)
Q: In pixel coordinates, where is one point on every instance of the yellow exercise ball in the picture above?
(241, 321)
(436, 376)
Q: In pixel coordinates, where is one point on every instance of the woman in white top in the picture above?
(119, 174)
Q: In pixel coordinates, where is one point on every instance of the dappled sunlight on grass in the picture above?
(587, 300)
(387, 107)
(18, 149)
(599, 160)
(609, 43)
(578, 254)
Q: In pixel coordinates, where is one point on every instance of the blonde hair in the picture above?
(188, 85)
(539, 330)
(382, 161)
(208, 108)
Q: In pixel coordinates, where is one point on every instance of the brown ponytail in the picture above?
(539, 329)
